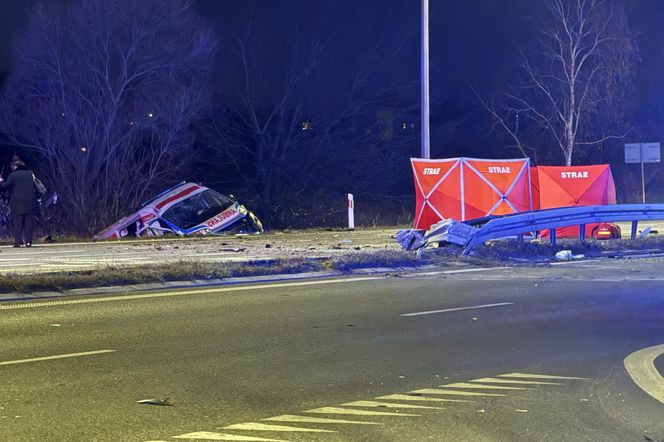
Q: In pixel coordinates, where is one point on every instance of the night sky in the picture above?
(472, 41)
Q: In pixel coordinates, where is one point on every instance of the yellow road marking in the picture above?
(49, 358)
(207, 435)
(316, 420)
(480, 386)
(409, 397)
(512, 381)
(540, 376)
(456, 392)
(337, 410)
(386, 405)
(257, 426)
(640, 365)
(168, 294)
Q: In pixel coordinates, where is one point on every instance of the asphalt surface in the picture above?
(529, 354)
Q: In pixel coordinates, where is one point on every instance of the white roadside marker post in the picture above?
(351, 212)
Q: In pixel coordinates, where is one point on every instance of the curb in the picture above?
(172, 285)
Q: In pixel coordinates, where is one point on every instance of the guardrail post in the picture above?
(582, 232)
(635, 225)
(552, 235)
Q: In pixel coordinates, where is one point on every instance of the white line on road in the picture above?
(640, 365)
(48, 358)
(167, 294)
(457, 309)
(540, 376)
(257, 426)
(208, 435)
(376, 404)
(316, 420)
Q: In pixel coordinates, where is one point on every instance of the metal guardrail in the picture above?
(549, 219)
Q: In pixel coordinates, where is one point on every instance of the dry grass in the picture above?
(195, 270)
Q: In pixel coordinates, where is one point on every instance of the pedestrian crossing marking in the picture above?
(316, 420)
(337, 410)
(480, 386)
(541, 376)
(508, 381)
(387, 405)
(257, 426)
(208, 435)
(456, 392)
(513, 381)
(410, 397)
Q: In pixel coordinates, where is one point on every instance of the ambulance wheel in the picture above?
(254, 223)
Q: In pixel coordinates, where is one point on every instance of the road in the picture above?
(488, 355)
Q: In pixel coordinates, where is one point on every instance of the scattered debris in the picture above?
(233, 249)
(268, 246)
(446, 231)
(346, 241)
(165, 402)
(564, 255)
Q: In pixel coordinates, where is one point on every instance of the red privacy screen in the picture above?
(467, 188)
(568, 186)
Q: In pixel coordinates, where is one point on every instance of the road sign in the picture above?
(642, 153)
(651, 152)
(638, 152)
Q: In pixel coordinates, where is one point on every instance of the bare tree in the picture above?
(291, 139)
(104, 93)
(573, 82)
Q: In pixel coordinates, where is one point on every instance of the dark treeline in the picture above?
(289, 108)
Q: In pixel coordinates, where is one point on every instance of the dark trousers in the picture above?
(23, 228)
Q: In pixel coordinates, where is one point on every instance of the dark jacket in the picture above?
(22, 193)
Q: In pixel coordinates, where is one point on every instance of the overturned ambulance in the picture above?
(185, 209)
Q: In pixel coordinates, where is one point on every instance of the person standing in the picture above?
(23, 201)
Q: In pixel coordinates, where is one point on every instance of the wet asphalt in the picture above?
(493, 355)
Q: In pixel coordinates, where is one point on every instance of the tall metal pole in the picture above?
(426, 138)
(643, 179)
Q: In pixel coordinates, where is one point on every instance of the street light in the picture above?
(426, 136)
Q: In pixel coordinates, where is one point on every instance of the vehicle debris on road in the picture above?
(164, 402)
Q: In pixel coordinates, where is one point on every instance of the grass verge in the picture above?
(186, 270)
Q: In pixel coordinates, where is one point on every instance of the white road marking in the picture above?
(480, 386)
(316, 420)
(257, 426)
(337, 410)
(409, 397)
(207, 435)
(377, 404)
(513, 381)
(640, 365)
(457, 309)
(48, 358)
(452, 272)
(168, 294)
(540, 376)
(456, 392)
